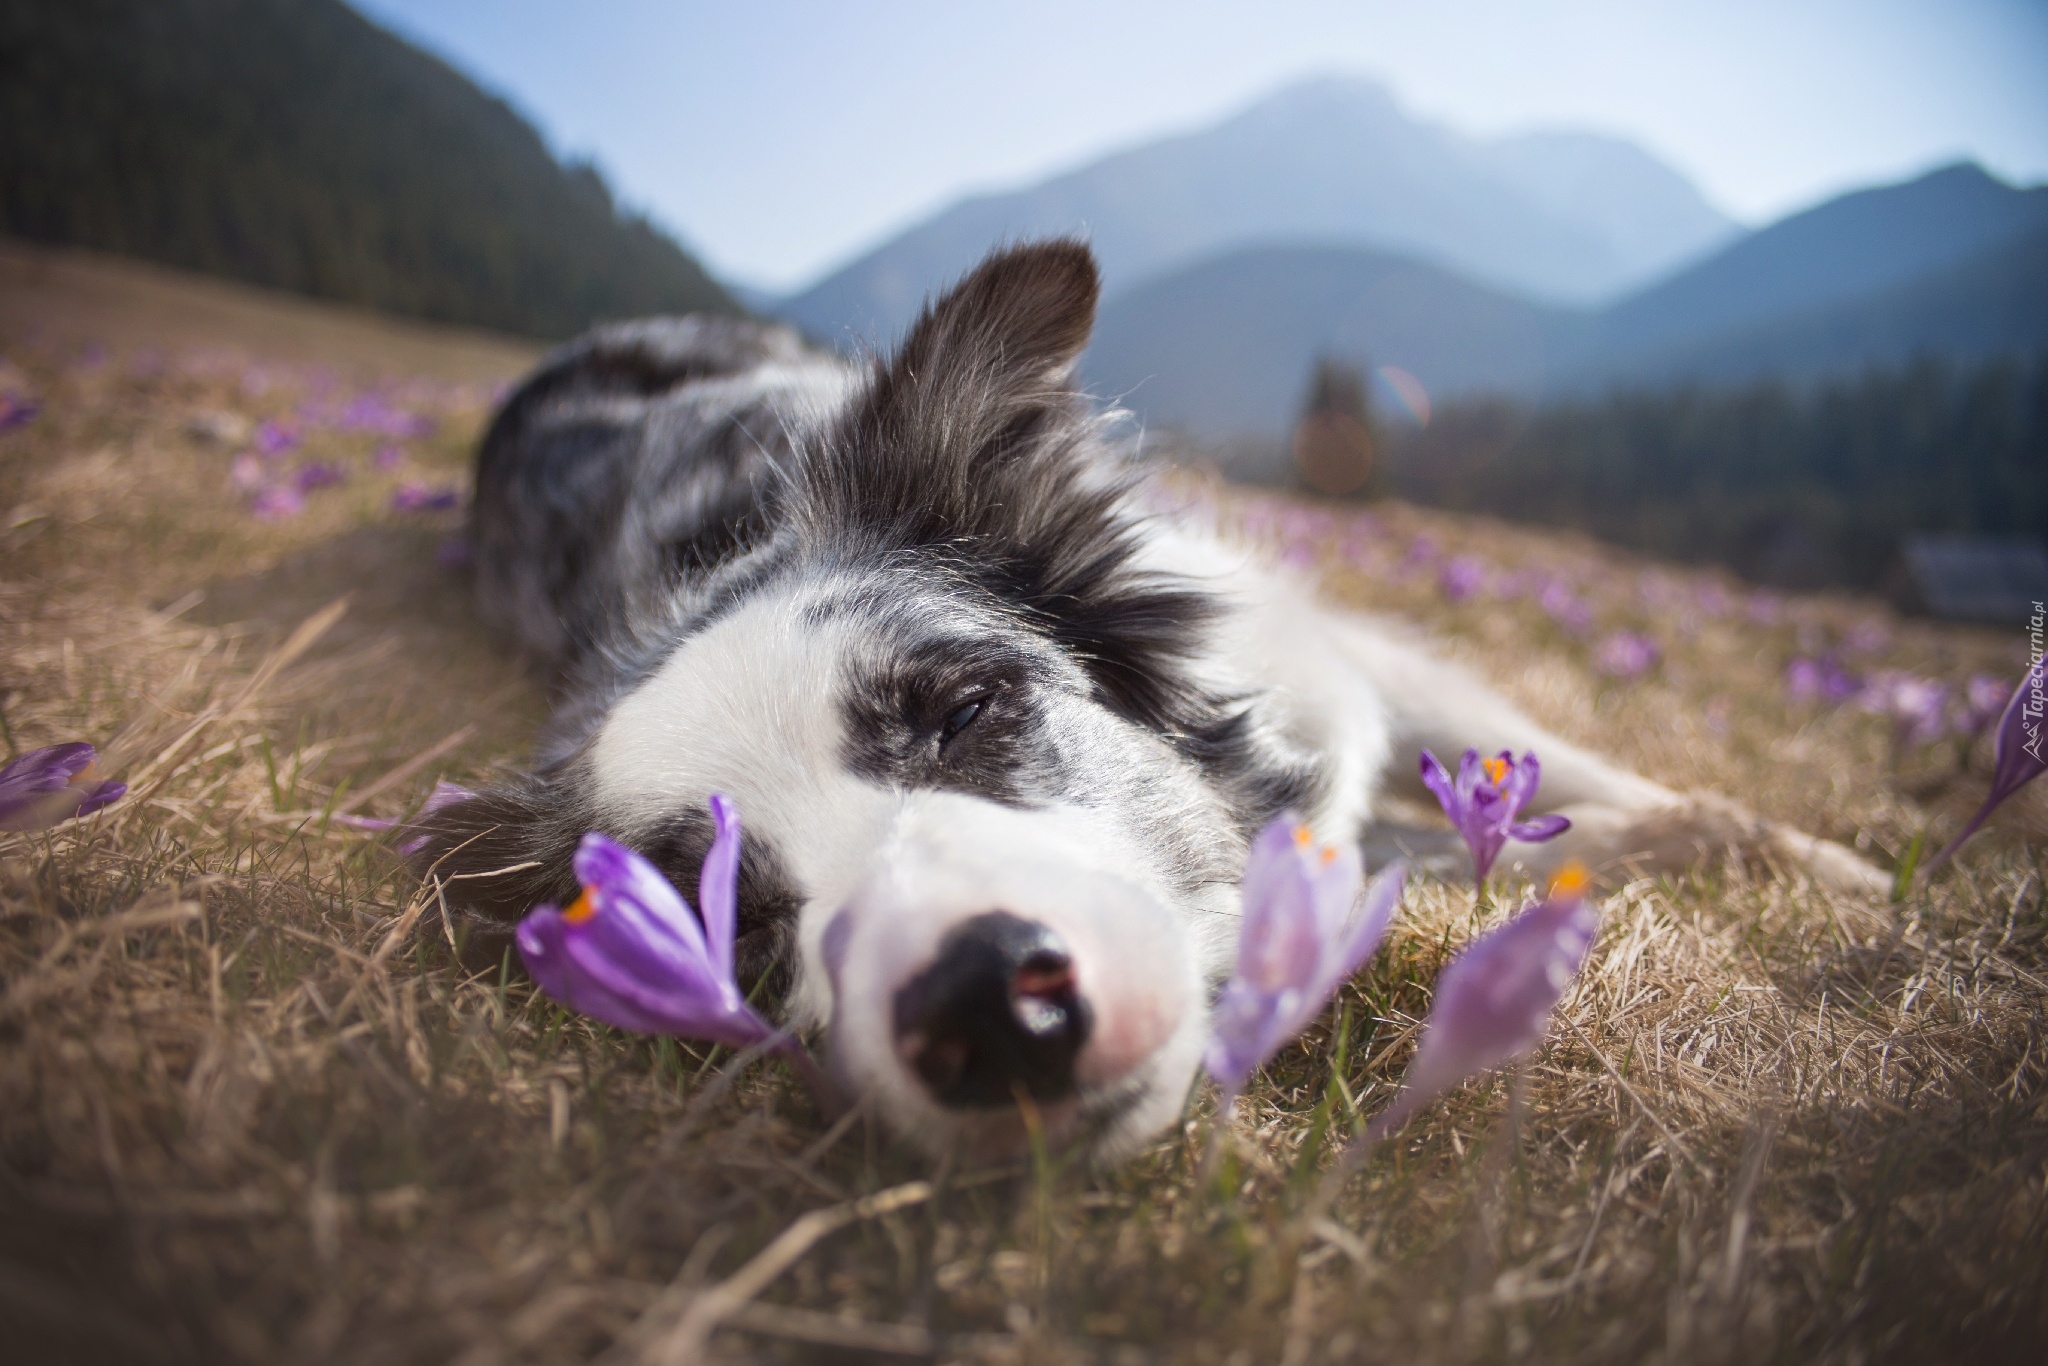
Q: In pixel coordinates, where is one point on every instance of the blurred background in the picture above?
(1759, 285)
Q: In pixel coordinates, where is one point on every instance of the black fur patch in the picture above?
(501, 853)
(898, 708)
(972, 449)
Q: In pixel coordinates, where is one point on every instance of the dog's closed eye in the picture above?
(963, 716)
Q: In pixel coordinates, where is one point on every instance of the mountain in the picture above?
(1225, 347)
(1554, 215)
(1953, 263)
(1856, 246)
(292, 143)
(1993, 303)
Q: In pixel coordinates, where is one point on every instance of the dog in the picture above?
(999, 736)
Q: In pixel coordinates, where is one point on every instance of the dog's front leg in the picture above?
(1621, 822)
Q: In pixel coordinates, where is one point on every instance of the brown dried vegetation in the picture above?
(253, 1108)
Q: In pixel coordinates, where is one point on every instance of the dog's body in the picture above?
(999, 737)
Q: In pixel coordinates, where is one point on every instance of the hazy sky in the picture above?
(779, 137)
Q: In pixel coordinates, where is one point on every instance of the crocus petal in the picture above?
(1306, 930)
(1493, 1001)
(49, 786)
(105, 794)
(1471, 774)
(1521, 782)
(444, 795)
(617, 988)
(643, 927)
(1368, 926)
(2019, 754)
(717, 885)
(569, 971)
(1437, 779)
(1541, 829)
(633, 953)
(539, 937)
(1277, 944)
(46, 770)
(619, 877)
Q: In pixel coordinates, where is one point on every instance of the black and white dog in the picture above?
(999, 738)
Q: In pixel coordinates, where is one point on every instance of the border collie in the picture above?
(998, 735)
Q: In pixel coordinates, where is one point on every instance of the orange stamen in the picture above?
(581, 909)
(1569, 880)
(1496, 770)
(1302, 838)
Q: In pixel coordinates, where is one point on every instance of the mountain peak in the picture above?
(1329, 94)
(1330, 159)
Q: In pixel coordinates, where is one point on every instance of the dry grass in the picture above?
(252, 1109)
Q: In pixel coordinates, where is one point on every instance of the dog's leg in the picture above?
(1621, 821)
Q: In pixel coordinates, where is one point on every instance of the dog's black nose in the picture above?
(996, 1010)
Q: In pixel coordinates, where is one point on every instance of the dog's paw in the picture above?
(1831, 865)
(1679, 835)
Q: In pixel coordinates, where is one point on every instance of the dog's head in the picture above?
(994, 809)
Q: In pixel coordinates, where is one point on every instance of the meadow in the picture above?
(259, 1103)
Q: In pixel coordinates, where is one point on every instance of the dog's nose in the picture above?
(998, 1009)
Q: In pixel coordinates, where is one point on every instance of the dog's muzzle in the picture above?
(996, 1016)
(994, 961)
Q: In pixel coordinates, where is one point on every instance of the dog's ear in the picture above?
(976, 399)
(1024, 313)
(497, 855)
(971, 444)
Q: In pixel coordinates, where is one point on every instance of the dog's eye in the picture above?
(962, 717)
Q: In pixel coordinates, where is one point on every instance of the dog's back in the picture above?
(637, 453)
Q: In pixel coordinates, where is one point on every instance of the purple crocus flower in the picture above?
(16, 409)
(274, 439)
(1917, 706)
(1307, 927)
(444, 795)
(2017, 755)
(48, 786)
(416, 497)
(1866, 637)
(629, 950)
(277, 503)
(1493, 1001)
(1461, 577)
(1821, 679)
(1565, 607)
(1983, 701)
(318, 474)
(1484, 799)
(1625, 654)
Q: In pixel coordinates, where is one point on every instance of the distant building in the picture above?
(1976, 578)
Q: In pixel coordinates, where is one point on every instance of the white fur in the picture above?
(747, 707)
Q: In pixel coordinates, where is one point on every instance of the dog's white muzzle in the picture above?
(994, 960)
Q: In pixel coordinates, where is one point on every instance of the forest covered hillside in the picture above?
(292, 143)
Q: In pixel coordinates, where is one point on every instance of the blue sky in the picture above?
(780, 137)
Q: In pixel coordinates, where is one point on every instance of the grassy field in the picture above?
(252, 1109)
